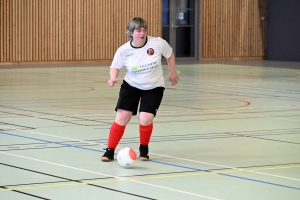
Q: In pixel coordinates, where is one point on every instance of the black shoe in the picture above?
(144, 152)
(108, 155)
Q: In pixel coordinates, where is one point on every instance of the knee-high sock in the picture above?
(115, 135)
(145, 134)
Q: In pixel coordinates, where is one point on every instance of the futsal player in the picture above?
(143, 85)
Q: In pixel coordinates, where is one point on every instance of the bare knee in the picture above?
(146, 118)
(123, 117)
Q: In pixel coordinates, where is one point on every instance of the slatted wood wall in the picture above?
(69, 30)
(84, 30)
(233, 29)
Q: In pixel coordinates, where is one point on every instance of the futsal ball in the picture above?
(126, 157)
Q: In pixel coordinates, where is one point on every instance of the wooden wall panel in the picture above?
(233, 29)
(84, 30)
(69, 30)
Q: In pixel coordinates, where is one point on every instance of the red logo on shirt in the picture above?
(150, 51)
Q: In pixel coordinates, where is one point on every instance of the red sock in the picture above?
(115, 135)
(145, 134)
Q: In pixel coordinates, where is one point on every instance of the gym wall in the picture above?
(234, 29)
(92, 30)
(69, 30)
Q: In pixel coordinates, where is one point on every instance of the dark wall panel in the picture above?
(284, 30)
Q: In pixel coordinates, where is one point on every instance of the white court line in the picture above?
(224, 166)
(265, 107)
(246, 87)
(178, 158)
(62, 116)
(166, 112)
(252, 115)
(108, 175)
(223, 111)
(240, 108)
(228, 112)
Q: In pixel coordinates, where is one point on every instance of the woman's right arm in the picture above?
(114, 72)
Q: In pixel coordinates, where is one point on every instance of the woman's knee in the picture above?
(146, 118)
(123, 117)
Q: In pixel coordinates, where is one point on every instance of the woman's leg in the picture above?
(118, 127)
(146, 127)
(116, 132)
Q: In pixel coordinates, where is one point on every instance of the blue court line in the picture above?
(214, 135)
(101, 128)
(180, 166)
(59, 143)
(222, 174)
(180, 137)
(13, 147)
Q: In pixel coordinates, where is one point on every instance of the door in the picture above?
(180, 27)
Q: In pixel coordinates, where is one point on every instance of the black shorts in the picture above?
(130, 98)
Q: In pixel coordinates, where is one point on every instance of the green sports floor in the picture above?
(230, 130)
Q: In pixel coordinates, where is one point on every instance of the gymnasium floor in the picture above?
(230, 130)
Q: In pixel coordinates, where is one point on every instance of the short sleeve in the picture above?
(166, 48)
(117, 61)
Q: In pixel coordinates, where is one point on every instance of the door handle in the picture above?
(173, 25)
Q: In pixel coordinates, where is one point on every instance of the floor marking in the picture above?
(222, 109)
(196, 169)
(237, 171)
(223, 166)
(106, 175)
(251, 115)
(178, 158)
(13, 147)
(244, 87)
(59, 143)
(34, 132)
(137, 178)
(209, 172)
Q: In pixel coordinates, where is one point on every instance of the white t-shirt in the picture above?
(143, 64)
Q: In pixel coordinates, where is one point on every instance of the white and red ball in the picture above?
(126, 157)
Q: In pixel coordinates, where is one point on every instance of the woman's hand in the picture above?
(173, 77)
(111, 82)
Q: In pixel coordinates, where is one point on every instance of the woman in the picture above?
(143, 84)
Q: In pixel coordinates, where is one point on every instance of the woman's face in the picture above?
(139, 36)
